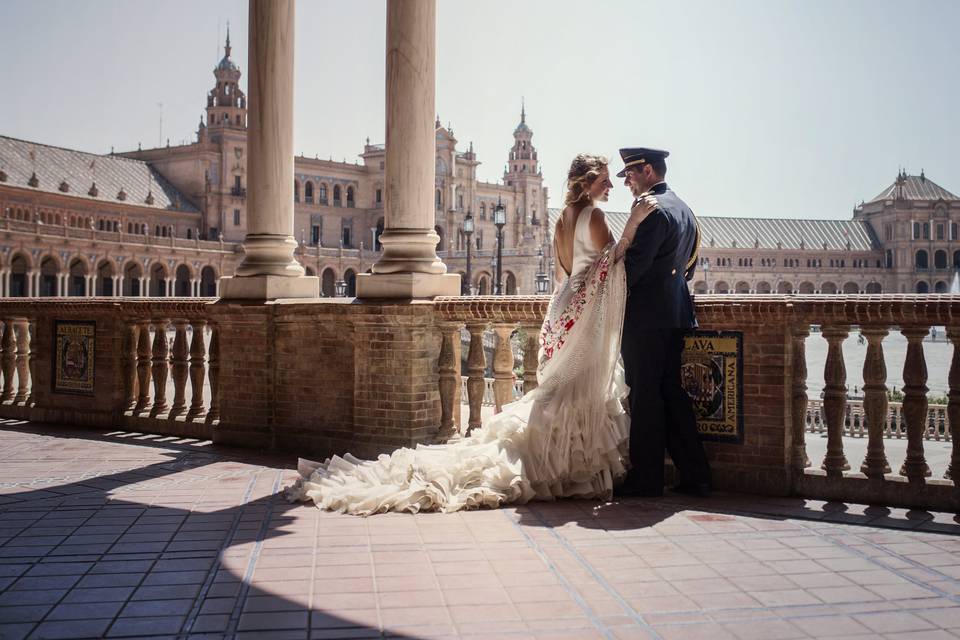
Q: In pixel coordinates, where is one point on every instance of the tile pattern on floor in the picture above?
(122, 535)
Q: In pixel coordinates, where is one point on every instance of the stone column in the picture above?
(269, 270)
(409, 266)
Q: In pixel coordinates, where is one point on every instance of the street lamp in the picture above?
(706, 273)
(340, 289)
(499, 219)
(466, 288)
(542, 281)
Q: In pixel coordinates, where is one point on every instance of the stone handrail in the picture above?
(155, 362)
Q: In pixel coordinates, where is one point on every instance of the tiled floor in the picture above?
(120, 535)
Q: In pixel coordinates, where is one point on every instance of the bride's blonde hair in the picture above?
(583, 171)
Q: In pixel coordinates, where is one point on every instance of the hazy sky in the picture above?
(770, 108)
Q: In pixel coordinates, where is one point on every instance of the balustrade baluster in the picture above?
(131, 335)
(915, 403)
(475, 368)
(449, 370)
(953, 404)
(32, 364)
(160, 366)
(799, 457)
(875, 402)
(214, 372)
(531, 347)
(502, 366)
(8, 361)
(198, 355)
(179, 367)
(24, 381)
(835, 398)
(143, 366)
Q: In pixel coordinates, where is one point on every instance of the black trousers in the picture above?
(661, 415)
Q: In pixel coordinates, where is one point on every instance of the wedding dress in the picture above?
(563, 439)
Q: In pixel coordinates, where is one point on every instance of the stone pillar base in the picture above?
(269, 287)
(407, 285)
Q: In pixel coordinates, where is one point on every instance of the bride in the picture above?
(563, 438)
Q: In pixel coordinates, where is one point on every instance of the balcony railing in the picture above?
(158, 365)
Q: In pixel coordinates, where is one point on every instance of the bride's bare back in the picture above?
(563, 236)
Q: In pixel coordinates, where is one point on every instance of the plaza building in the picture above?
(904, 240)
(170, 220)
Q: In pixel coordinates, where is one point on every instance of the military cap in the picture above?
(634, 156)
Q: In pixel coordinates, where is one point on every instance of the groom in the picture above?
(659, 311)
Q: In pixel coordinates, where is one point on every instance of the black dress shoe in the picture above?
(636, 492)
(700, 489)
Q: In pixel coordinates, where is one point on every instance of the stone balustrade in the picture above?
(326, 376)
(154, 364)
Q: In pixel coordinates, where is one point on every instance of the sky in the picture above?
(769, 108)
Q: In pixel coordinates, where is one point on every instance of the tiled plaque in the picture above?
(712, 374)
(73, 351)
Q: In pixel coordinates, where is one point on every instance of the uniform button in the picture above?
(674, 272)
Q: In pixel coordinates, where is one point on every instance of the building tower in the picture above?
(524, 177)
(226, 103)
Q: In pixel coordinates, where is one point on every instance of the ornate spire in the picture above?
(523, 110)
(226, 49)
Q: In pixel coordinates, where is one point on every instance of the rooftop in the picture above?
(919, 187)
(123, 534)
(70, 172)
(767, 233)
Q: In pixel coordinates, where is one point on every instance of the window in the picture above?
(189, 234)
(940, 232)
(308, 193)
(236, 217)
(315, 234)
(345, 237)
(336, 195)
(439, 200)
(926, 230)
(460, 202)
(921, 260)
(236, 185)
(296, 191)
(953, 230)
(350, 200)
(379, 196)
(323, 194)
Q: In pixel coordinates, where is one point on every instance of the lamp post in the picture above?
(467, 287)
(706, 273)
(499, 219)
(542, 282)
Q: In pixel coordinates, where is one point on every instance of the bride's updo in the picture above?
(583, 171)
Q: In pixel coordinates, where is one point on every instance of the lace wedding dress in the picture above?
(563, 439)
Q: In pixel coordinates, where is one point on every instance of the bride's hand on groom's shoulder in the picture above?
(643, 207)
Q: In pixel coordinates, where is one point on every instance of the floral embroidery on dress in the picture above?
(554, 335)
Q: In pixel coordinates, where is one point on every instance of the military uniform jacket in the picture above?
(657, 266)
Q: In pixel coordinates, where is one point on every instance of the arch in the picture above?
(941, 287)
(441, 245)
(350, 196)
(49, 276)
(922, 287)
(105, 273)
(763, 287)
(208, 282)
(308, 192)
(874, 287)
(350, 276)
(699, 286)
(510, 284)
(956, 259)
(328, 283)
(920, 259)
(132, 272)
(336, 195)
(77, 281)
(721, 287)
(940, 259)
(183, 284)
(742, 287)
(483, 285)
(806, 287)
(19, 266)
(851, 287)
(828, 287)
(157, 286)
